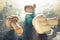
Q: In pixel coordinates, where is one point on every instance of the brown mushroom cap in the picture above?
(29, 8)
(10, 19)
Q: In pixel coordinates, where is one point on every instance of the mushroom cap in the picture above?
(41, 25)
(29, 8)
(10, 19)
(52, 21)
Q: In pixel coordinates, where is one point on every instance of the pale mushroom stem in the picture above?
(18, 29)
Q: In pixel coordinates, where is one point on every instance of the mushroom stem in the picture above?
(18, 29)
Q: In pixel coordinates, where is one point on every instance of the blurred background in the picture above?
(49, 8)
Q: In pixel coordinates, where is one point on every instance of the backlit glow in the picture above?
(41, 5)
